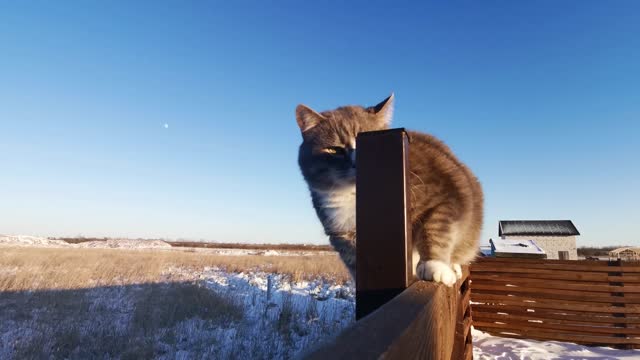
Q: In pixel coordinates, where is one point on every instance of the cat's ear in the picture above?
(384, 110)
(307, 118)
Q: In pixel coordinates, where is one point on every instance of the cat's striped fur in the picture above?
(446, 198)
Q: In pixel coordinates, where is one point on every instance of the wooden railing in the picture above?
(426, 321)
(398, 317)
(586, 302)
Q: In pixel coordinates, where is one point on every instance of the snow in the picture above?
(37, 241)
(487, 347)
(125, 243)
(281, 320)
(31, 241)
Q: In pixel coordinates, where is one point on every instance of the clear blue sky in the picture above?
(541, 99)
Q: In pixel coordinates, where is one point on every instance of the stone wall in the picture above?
(552, 244)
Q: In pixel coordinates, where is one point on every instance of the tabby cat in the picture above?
(446, 198)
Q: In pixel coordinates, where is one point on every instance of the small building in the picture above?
(556, 237)
(528, 249)
(625, 253)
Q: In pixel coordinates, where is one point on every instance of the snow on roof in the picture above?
(516, 246)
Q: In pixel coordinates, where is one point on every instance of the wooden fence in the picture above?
(426, 321)
(585, 302)
(398, 317)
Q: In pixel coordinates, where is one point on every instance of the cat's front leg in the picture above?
(345, 245)
(434, 240)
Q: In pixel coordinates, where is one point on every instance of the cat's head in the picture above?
(327, 155)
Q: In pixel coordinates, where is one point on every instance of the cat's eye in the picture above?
(333, 150)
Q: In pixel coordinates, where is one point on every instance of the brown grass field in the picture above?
(53, 268)
(77, 303)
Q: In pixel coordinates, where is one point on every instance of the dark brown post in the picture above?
(383, 246)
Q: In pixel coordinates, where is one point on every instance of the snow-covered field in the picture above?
(265, 316)
(202, 313)
(43, 242)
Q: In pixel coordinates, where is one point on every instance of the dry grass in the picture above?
(51, 268)
(135, 304)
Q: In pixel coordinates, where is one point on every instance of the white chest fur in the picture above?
(339, 207)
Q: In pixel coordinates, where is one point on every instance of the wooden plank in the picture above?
(558, 275)
(418, 323)
(482, 260)
(519, 322)
(574, 316)
(556, 266)
(609, 321)
(466, 273)
(479, 296)
(468, 352)
(553, 261)
(467, 327)
(565, 267)
(540, 293)
(462, 296)
(505, 331)
(541, 289)
(383, 255)
(581, 275)
(556, 284)
(571, 265)
(553, 304)
(465, 301)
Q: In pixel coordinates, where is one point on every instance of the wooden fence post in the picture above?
(383, 252)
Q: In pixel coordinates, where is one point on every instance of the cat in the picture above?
(446, 198)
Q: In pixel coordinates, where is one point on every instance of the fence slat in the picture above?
(568, 275)
(597, 319)
(553, 266)
(557, 294)
(523, 323)
(492, 279)
(555, 304)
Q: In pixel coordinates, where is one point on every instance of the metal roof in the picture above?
(537, 228)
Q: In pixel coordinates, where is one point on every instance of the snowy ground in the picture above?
(487, 347)
(253, 315)
(206, 314)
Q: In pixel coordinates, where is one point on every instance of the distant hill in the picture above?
(215, 245)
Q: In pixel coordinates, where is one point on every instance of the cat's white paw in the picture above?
(458, 270)
(436, 271)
